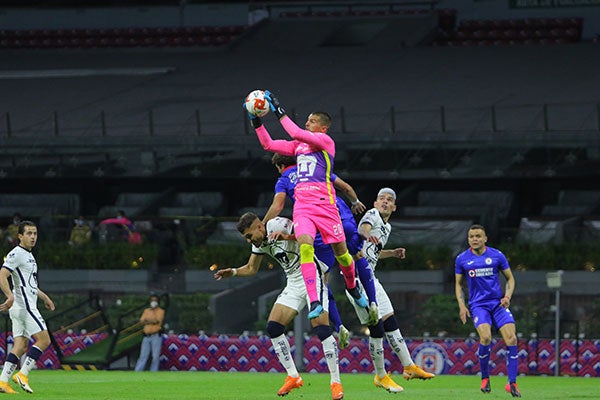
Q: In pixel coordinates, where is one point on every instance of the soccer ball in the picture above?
(256, 104)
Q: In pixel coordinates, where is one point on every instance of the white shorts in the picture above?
(383, 302)
(294, 294)
(26, 322)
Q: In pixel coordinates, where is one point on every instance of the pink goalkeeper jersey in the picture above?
(314, 153)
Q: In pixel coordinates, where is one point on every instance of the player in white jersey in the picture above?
(18, 282)
(276, 239)
(375, 228)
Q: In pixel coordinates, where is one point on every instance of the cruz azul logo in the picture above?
(431, 357)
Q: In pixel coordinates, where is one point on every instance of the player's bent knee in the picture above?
(322, 331)
(275, 329)
(376, 331)
(307, 253)
(344, 259)
(390, 324)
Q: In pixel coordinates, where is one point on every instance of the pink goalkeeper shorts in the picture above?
(323, 218)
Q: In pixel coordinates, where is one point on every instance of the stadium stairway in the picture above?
(116, 342)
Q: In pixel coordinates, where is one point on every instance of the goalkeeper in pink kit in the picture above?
(315, 207)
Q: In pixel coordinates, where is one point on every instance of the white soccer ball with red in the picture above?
(256, 104)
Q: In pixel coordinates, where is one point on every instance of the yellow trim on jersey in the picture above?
(328, 177)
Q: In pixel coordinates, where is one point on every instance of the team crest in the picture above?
(431, 357)
(488, 261)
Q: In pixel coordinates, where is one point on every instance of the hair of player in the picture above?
(282, 160)
(246, 221)
(477, 226)
(23, 224)
(324, 117)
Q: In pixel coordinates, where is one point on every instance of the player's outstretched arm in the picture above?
(357, 206)
(323, 142)
(364, 230)
(274, 104)
(249, 269)
(399, 252)
(276, 207)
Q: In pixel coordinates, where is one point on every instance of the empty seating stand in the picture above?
(573, 203)
(120, 37)
(39, 204)
(514, 31)
(194, 204)
(133, 204)
(263, 203)
(572, 218)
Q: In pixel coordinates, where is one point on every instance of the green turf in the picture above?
(128, 385)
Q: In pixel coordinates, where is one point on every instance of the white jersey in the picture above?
(286, 252)
(379, 229)
(21, 263)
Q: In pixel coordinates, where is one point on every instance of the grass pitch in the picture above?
(129, 385)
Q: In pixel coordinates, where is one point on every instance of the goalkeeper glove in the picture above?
(254, 120)
(274, 103)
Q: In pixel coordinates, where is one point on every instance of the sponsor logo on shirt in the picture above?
(476, 273)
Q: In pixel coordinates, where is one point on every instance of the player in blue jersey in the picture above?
(480, 266)
(286, 165)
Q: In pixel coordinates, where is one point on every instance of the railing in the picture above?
(552, 118)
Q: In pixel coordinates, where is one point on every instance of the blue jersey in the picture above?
(482, 274)
(287, 183)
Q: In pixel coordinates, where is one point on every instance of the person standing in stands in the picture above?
(315, 207)
(127, 227)
(18, 282)
(12, 231)
(152, 318)
(81, 233)
(481, 266)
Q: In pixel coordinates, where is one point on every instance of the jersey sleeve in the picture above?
(281, 185)
(502, 261)
(284, 147)
(370, 217)
(458, 265)
(257, 250)
(319, 140)
(11, 262)
(279, 224)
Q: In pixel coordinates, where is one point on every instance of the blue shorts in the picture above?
(324, 252)
(491, 313)
(354, 242)
(353, 239)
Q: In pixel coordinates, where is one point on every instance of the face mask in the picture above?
(154, 304)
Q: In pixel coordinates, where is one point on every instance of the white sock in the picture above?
(27, 365)
(330, 349)
(7, 371)
(397, 344)
(376, 350)
(284, 354)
